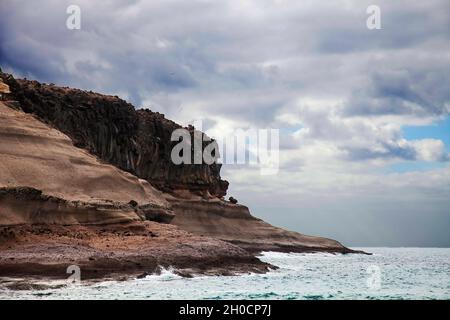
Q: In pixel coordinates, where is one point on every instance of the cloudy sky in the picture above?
(363, 114)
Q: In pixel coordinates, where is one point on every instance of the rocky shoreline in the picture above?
(117, 252)
(34, 256)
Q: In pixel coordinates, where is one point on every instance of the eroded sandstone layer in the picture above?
(234, 223)
(45, 179)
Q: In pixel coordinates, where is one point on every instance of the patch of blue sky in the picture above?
(439, 130)
(414, 166)
(287, 130)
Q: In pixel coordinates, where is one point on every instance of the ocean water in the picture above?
(390, 273)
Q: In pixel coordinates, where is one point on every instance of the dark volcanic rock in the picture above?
(233, 200)
(137, 141)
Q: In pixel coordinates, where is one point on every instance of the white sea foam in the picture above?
(166, 274)
(405, 273)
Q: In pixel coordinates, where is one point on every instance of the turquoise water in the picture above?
(391, 273)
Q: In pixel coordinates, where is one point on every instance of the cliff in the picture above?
(129, 176)
(62, 206)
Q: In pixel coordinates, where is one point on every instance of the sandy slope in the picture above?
(34, 155)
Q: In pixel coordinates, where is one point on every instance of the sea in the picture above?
(390, 273)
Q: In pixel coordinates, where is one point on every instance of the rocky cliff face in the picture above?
(139, 142)
(110, 128)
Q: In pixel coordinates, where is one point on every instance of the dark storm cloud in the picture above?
(243, 60)
(404, 90)
(213, 48)
(109, 53)
(385, 151)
